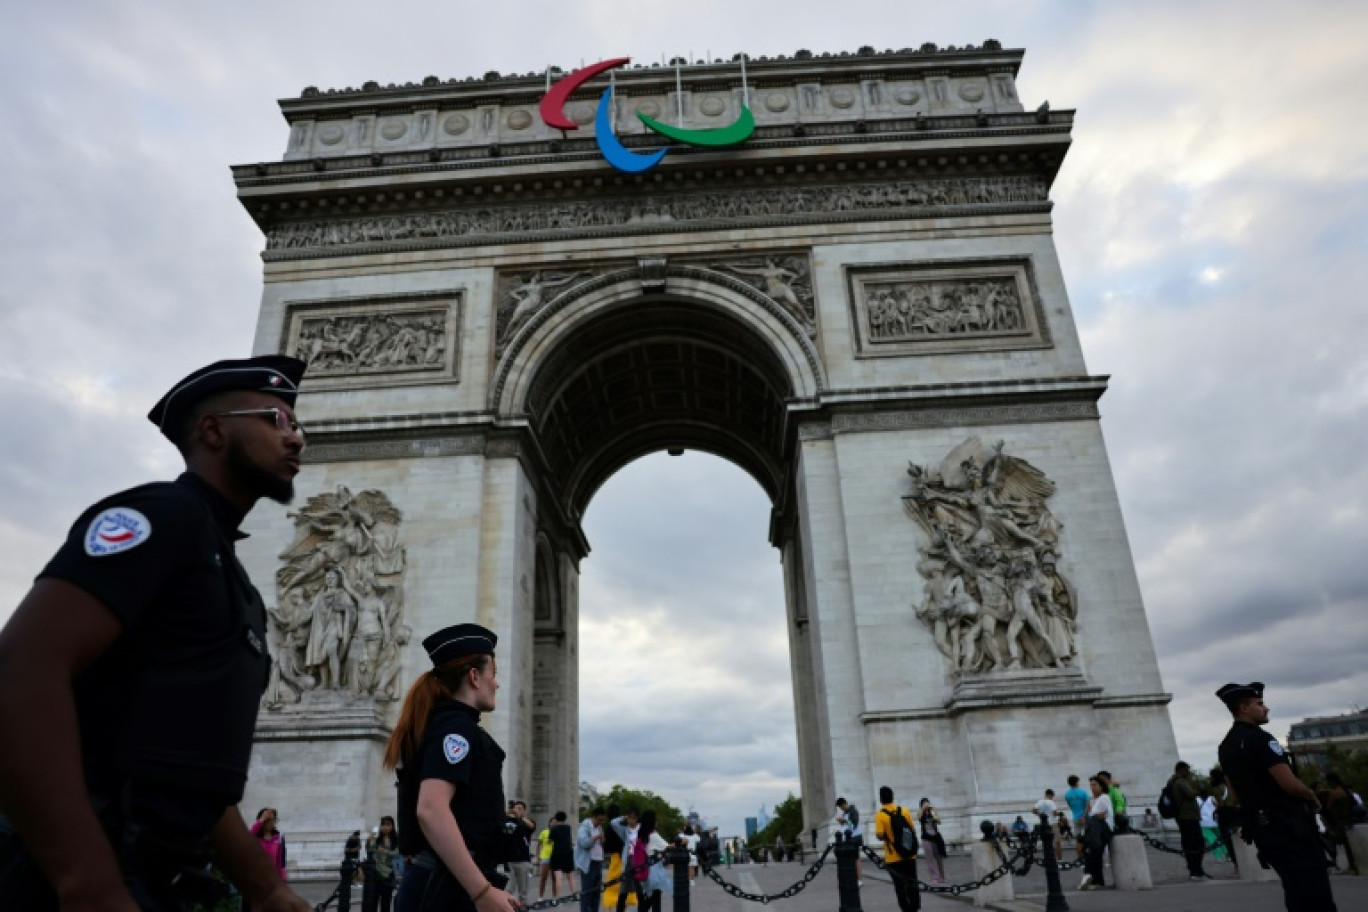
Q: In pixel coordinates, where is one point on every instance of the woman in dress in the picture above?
(562, 854)
(932, 842)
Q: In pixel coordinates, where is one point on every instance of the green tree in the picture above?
(669, 820)
(786, 822)
(1352, 766)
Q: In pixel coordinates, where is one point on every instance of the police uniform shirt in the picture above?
(1247, 755)
(455, 749)
(166, 715)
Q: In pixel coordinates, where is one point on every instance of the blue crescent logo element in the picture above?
(614, 151)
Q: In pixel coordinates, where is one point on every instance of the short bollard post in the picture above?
(677, 859)
(1054, 897)
(987, 859)
(847, 884)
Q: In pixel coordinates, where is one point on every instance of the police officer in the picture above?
(131, 673)
(450, 772)
(1277, 810)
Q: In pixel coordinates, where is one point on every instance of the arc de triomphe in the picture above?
(860, 305)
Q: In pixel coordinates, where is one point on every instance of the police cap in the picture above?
(1231, 694)
(459, 641)
(278, 375)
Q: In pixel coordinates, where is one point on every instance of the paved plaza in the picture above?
(1172, 893)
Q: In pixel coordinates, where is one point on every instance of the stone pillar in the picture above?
(987, 860)
(1247, 857)
(1130, 865)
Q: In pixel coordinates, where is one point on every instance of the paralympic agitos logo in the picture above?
(553, 114)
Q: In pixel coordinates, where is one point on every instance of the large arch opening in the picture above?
(639, 378)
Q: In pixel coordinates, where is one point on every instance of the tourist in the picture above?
(589, 859)
(1275, 807)
(690, 840)
(1063, 833)
(271, 842)
(901, 863)
(849, 816)
(1338, 816)
(1077, 799)
(613, 847)
(1118, 799)
(562, 854)
(1045, 807)
(633, 863)
(1227, 812)
(657, 880)
(450, 773)
(517, 831)
(1189, 818)
(1020, 829)
(1211, 831)
(382, 851)
(1097, 836)
(933, 843)
(544, 849)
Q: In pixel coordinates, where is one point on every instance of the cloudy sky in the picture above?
(1210, 219)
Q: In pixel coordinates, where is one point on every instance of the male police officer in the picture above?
(131, 674)
(1276, 808)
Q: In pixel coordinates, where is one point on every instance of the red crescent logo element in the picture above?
(552, 106)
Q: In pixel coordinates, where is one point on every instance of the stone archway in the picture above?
(862, 307)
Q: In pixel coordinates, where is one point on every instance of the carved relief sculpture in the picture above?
(995, 599)
(338, 626)
(808, 203)
(901, 311)
(522, 295)
(372, 343)
(785, 280)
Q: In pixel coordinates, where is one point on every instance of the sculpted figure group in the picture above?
(994, 596)
(338, 625)
(909, 310)
(372, 343)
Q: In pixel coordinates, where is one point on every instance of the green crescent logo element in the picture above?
(738, 131)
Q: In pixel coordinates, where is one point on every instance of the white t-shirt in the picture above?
(1045, 806)
(1102, 803)
(1207, 806)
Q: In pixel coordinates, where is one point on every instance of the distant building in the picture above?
(1311, 738)
(752, 827)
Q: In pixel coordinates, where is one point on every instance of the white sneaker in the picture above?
(1086, 882)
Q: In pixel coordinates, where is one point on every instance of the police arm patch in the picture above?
(455, 748)
(1275, 747)
(115, 530)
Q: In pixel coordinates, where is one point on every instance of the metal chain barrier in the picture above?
(1165, 847)
(794, 889)
(959, 888)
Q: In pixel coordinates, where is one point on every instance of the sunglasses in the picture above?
(283, 420)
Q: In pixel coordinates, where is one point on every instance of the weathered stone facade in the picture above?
(499, 321)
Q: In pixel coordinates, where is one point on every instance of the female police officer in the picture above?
(451, 799)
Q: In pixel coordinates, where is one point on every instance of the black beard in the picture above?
(258, 480)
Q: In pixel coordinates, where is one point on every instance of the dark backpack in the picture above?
(904, 836)
(1168, 802)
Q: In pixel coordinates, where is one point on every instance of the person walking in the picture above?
(544, 850)
(589, 859)
(1189, 818)
(1098, 835)
(562, 855)
(932, 842)
(132, 672)
(1338, 816)
(382, 851)
(450, 773)
(518, 830)
(1276, 809)
(1078, 800)
(1227, 812)
(891, 825)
